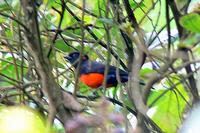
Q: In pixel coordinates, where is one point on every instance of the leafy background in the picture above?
(62, 31)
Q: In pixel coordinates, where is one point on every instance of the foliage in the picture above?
(165, 32)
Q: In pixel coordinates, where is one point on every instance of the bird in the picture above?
(92, 72)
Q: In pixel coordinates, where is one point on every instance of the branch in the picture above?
(49, 87)
(97, 39)
(188, 68)
(58, 29)
(12, 18)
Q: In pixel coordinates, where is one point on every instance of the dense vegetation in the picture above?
(156, 41)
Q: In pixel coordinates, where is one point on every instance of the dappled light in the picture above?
(99, 66)
(20, 119)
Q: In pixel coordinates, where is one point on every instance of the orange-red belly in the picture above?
(93, 80)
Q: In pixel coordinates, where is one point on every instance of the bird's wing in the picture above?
(92, 67)
(97, 67)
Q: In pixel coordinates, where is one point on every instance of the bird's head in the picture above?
(74, 57)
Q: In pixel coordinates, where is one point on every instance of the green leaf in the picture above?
(169, 108)
(144, 72)
(60, 44)
(191, 22)
(84, 89)
(106, 20)
(89, 19)
(2, 20)
(8, 69)
(135, 4)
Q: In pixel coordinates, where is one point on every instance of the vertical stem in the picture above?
(107, 28)
(82, 26)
